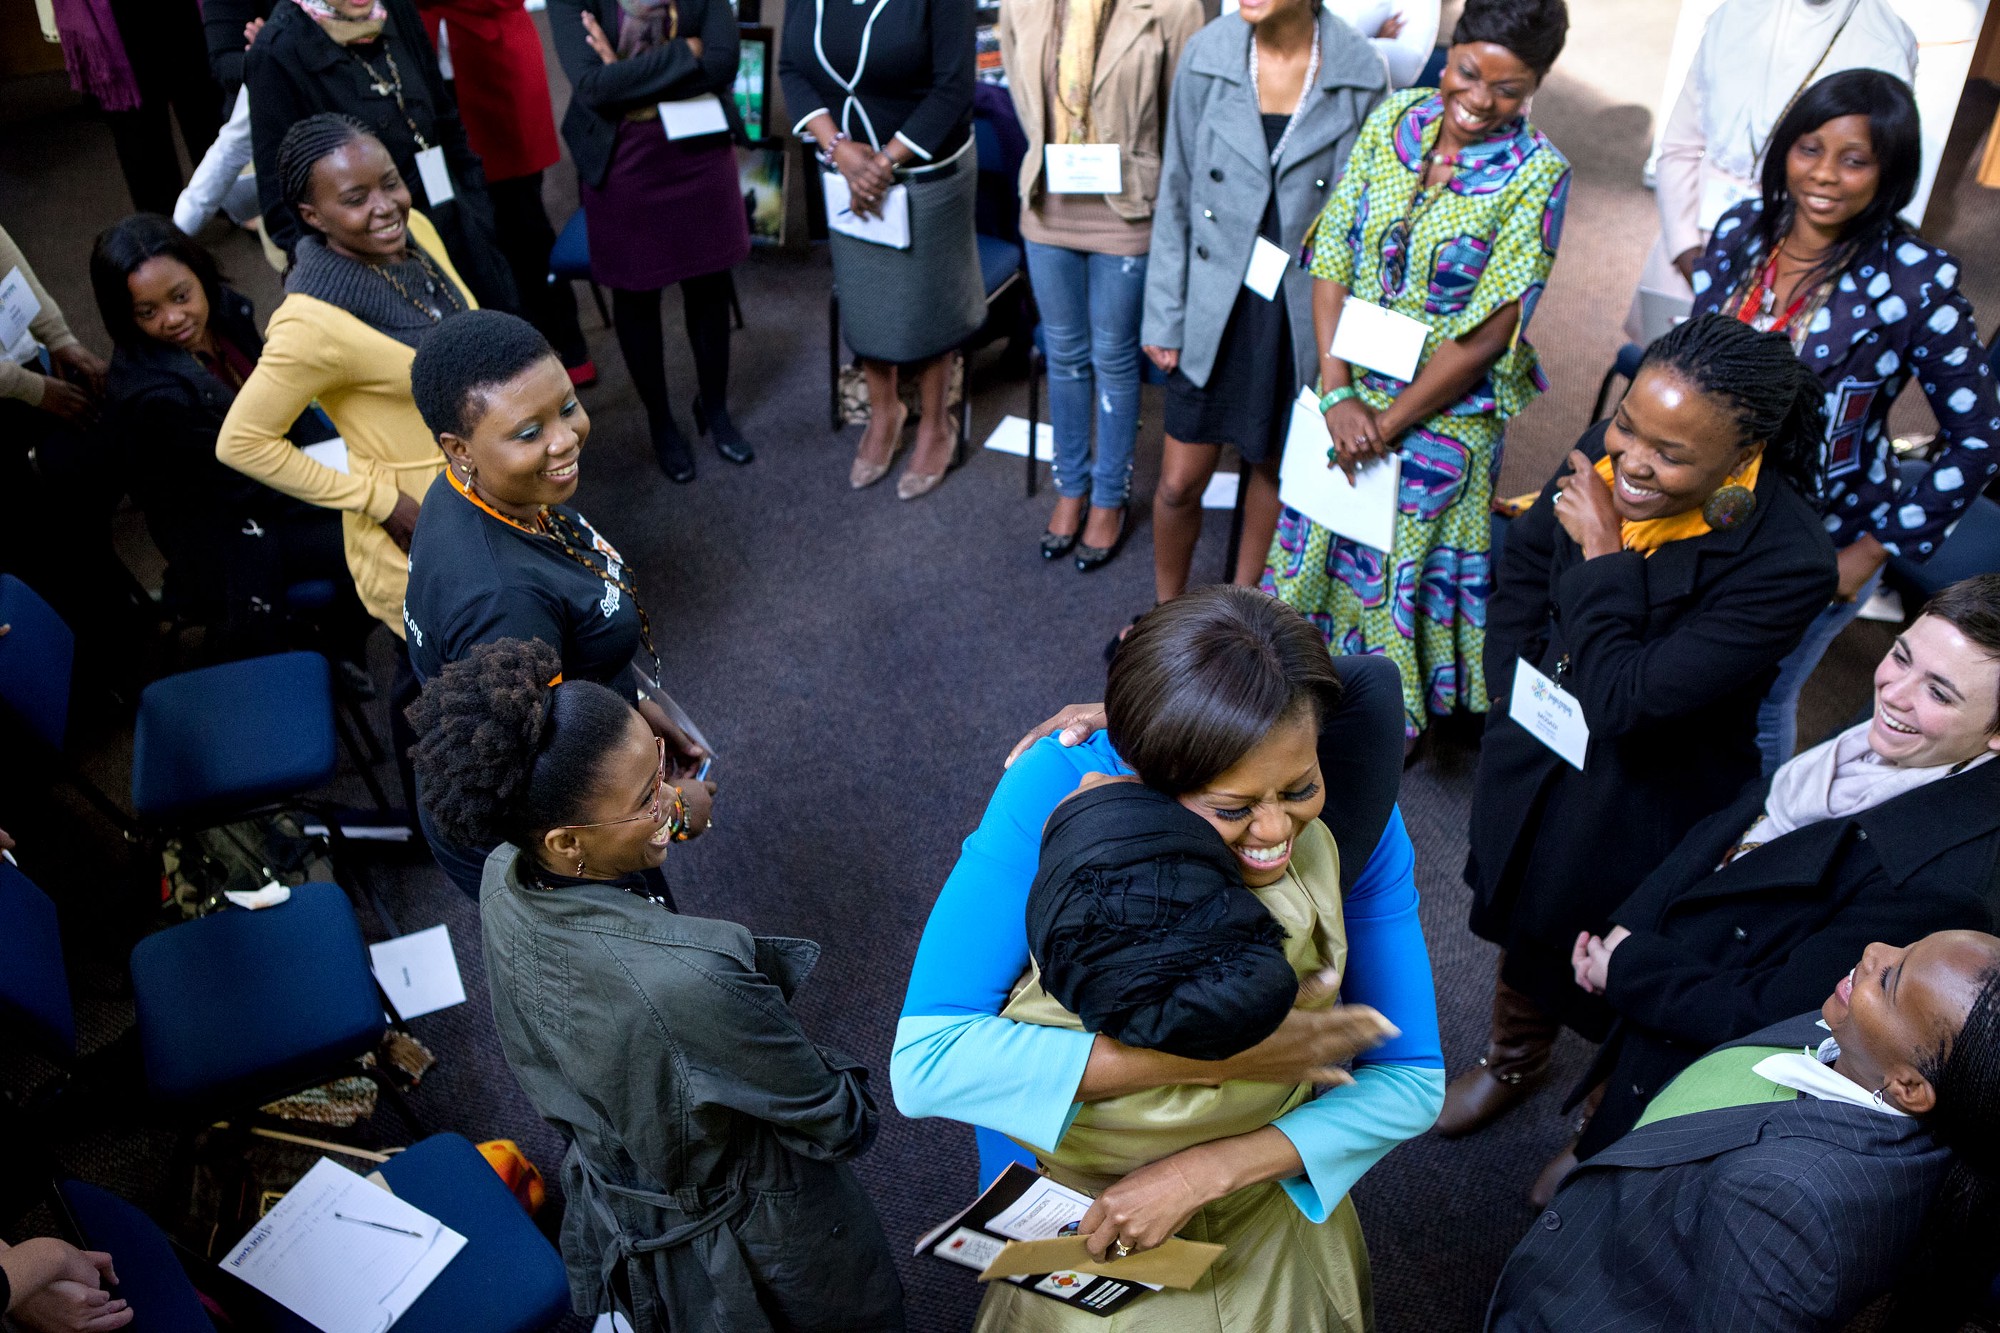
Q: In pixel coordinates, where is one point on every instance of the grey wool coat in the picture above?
(1216, 178)
(706, 1188)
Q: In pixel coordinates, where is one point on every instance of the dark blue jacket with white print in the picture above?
(1895, 312)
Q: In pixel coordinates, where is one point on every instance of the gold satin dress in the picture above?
(1280, 1271)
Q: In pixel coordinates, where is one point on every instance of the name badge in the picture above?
(1380, 339)
(1549, 713)
(1719, 194)
(693, 117)
(18, 309)
(435, 176)
(1267, 268)
(1082, 168)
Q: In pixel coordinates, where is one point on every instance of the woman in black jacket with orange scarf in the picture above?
(1655, 585)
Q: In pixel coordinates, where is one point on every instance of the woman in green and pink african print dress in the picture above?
(1449, 212)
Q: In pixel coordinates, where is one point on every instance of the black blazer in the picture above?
(1669, 656)
(163, 411)
(601, 94)
(1717, 953)
(222, 23)
(916, 80)
(1780, 1216)
(295, 70)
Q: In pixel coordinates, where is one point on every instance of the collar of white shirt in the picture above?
(1812, 1073)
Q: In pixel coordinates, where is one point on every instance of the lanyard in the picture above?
(391, 87)
(1305, 90)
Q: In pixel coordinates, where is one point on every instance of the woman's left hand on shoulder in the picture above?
(599, 43)
(1147, 1206)
(1583, 507)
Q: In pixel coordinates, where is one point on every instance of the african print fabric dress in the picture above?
(1449, 255)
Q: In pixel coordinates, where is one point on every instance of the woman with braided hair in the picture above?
(1638, 617)
(369, 278)
(1788, 1178)
(706, 1176)
(498, 552)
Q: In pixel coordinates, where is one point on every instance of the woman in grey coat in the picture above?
(1266, 104)
(706, 1179)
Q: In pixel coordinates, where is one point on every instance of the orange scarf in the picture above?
(1649, 535)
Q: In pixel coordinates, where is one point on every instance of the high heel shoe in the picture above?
(729, 441)
(913, 484)
(864, 473)
(1097, 557)
(1056, 545)
(670, 449)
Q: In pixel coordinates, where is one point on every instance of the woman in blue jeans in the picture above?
(1089, 80)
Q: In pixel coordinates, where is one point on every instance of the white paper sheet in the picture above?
(343, 1254)
(1364, 511)
(1267, 268)
(418, 972)
(693, 117)
(18, 309)
(1011, 437)
(1082, 168)
(1220, 493)
(890, 227)
(1380, 339)
(436, 176)
(328, 453)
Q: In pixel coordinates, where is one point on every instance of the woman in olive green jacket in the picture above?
(706, 1179)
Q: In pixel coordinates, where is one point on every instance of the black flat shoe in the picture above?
(1097, 557)
(670, 449)
(1056, 545)
(729, 441)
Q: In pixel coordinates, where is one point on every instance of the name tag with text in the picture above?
(1380, 339)
(1082, 168)
(435, 176)
(1267, 268)
(1549, 713)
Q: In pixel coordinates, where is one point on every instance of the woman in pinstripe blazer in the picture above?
(1784, 1180)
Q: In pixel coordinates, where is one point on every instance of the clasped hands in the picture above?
(1590, 958)
(869, 175)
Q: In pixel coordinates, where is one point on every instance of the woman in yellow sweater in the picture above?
(369, 280)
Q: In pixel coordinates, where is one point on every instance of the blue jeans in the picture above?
(1778, 715)
(1090, 306)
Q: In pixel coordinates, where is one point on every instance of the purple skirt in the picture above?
(668, 209)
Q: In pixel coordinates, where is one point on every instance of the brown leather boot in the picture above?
(1516, 1057)
(1543, 1191)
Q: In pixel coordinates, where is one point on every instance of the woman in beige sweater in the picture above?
(369, 280)
(1089, 80)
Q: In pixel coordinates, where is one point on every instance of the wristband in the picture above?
(1340, 395)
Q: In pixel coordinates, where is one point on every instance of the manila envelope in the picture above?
(1177, 1263)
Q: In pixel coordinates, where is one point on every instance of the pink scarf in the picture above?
(95, 54)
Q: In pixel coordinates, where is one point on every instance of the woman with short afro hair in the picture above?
(706, 1176)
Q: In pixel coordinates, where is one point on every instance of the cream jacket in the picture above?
(1128, 95)
(314, 350)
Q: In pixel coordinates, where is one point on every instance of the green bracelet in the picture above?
(1340, 395)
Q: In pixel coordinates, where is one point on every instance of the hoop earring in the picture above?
(1879, 1101)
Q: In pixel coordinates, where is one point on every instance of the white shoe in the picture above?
(1886, 606)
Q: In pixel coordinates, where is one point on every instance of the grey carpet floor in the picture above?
(862, 665)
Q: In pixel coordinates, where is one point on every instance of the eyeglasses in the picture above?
(655, 805)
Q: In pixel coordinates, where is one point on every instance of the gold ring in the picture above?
(1119, 1249)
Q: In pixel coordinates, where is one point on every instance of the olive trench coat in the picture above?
(706, 1186)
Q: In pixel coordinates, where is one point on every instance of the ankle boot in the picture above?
(670, 448)
(1516, 1057)
(1556, 1171)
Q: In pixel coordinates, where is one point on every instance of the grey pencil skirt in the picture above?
(910, 305)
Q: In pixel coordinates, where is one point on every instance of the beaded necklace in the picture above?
(434, 282)
(563, 531)
(1305, 90)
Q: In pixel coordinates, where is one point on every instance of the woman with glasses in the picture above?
(706, 1174)
(498, 552)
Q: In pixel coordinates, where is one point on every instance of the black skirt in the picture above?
(1247, 402)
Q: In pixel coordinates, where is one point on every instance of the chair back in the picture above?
(150, 1275)
(34, 983)
(36, 655)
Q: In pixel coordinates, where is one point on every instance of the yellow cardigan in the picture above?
(313, 350)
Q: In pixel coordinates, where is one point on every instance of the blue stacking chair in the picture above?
(1625, 366)
(507, 1279)
(233, 1009)
(569, 261)
(209, 746)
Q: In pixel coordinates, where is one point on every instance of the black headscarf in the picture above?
(1143, 928)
